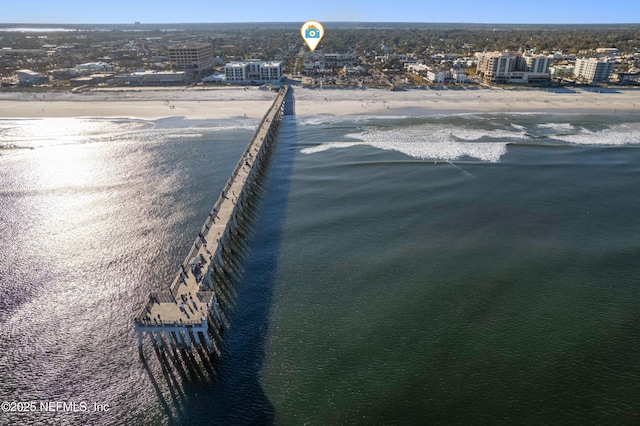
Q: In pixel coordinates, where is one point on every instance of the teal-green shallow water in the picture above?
(496, 289)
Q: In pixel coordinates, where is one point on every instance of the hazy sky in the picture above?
(175, 11)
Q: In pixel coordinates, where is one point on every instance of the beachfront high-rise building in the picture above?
(496, 66)
(506, 67)
(191, 57)
(538, 64)
(253, 71)
(590, 70)
(236, 71)
(270, 71)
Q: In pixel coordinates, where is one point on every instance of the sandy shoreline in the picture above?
(219, 103)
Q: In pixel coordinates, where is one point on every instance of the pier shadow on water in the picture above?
(222, 389)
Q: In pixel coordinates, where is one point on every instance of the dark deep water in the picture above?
(465, 269)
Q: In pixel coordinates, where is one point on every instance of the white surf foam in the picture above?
(559, 127)
(330, 145)
(474, 135)
(428, 143)
(337, 119)
(623, 134)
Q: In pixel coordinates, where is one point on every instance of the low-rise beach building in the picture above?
(630, 77)
(317, 62)
(436, 76)
(63, 73)
(352, 70)
(313, 64)
(151, 78)
(82, 81)
(607, 50)
(417, 68)
(556, 69)
(339, 60)
(216, 77)
(30, 77)
(562, 72)
(93, 67)
(459, 76)
(454, 75)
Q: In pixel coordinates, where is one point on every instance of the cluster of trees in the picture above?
(424, 42)
(283, 41)
(464, 42)
(453, 38)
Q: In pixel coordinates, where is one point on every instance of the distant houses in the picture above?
(339, 60)
(318, 62)
(354, 70)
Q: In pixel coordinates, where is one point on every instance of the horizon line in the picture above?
(329, 22)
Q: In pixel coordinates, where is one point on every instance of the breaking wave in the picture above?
(485, 139)
(623, 134)
(432, 143)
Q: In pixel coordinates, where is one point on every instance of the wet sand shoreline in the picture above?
(219, 103)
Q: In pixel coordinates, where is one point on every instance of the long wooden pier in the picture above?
(182, 314)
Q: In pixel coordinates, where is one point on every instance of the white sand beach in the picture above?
(141, 103)
(379, 101)
(217, 103)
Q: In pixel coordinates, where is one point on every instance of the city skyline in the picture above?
(201, 11)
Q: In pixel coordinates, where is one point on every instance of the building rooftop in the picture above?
(190, 45)
(236, 64)
(28, 72)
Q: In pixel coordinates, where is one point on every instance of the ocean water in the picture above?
(423, 269)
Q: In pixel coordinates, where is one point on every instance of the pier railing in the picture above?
(195, 247)
(166, 312)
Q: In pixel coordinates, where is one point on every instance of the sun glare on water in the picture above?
(56, 131)
(63, 158)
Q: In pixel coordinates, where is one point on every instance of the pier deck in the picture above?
(191, 298)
